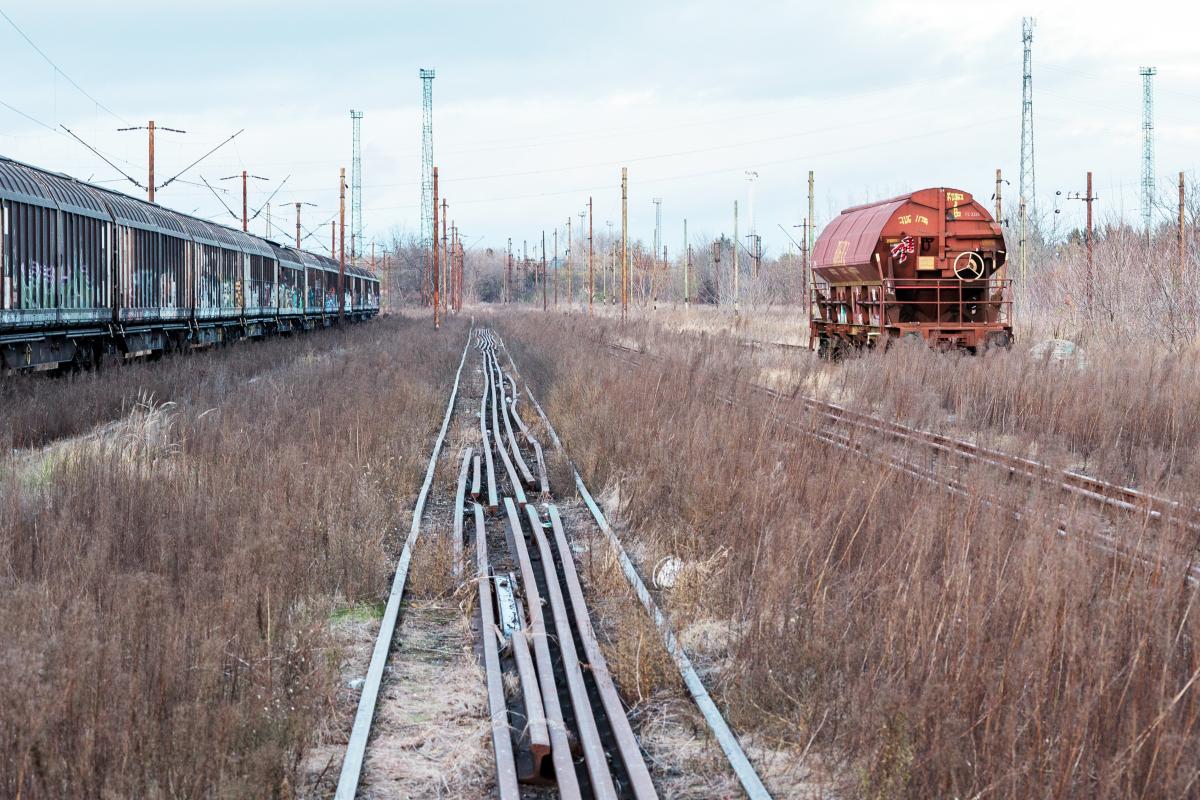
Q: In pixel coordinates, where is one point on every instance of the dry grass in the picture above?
(168, 583)
(925, 645)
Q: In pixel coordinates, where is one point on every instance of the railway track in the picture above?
(557, 724)
(1110, 511)
(566, 727)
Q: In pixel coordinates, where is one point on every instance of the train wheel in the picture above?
(824, 350)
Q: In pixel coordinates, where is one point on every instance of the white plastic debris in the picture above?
(1061, 351)
(666, 574)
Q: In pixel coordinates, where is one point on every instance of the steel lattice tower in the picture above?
(427, 209)
(356, 226)
(1028, 189)
(1147, 74)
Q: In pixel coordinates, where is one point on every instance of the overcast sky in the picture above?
(538, 105)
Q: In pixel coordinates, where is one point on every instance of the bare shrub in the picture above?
(928, 643)
(167, 624)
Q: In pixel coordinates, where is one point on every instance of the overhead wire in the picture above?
(59, 69)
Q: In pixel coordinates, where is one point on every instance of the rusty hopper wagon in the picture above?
(927, 265)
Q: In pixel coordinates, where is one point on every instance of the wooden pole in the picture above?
(150, 183)
(1089, 241)
(999, 208)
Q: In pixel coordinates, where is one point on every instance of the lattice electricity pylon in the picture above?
(356, 225)
(427, 209)
(1028, 189)
(1147, 74)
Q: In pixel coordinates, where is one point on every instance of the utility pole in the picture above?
(150, 162)
(736, 244)
(544, 304)
(556, 266)
(298, 225)
(687, 263)
(1088, 198)
(591, 275)
(570, 266)
(812, 215)
(508, 279)
(1147, 74)
(245, 191)
(342, 249)
(999, 207)
(150, 127)
(435, 248)
(624, 242)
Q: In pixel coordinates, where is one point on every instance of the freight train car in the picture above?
(927, 265)
(88, 275)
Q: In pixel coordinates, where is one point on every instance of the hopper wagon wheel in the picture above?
(970, 270)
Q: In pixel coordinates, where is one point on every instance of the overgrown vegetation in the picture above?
(927, 643)
(168, 582)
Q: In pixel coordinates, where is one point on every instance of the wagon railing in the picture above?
(869, 304)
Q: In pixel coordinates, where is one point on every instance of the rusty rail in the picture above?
(560, 745)
(459, 500)
(356, 748)
(1105, 497)
(506, 769)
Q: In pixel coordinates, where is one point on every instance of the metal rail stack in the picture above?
(566, 725)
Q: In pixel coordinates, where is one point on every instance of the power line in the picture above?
(59, 69)
(34, 120)
(179, 174)
(221, 199)
(101, 155)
